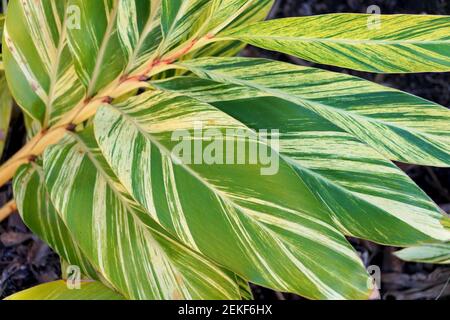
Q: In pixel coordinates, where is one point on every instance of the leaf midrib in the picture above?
(227, 199)
(102, 50)
(211, 187)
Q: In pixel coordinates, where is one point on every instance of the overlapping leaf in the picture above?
(41, 217)
(367, 195)
(400, 126)
(38, 63)
(132, 252)
(179, 20)
(2, 25)
(256, 10)
(376, 43)
(109, 41)
(38, 213)
(155, 227)
(58, 290)
(273, 232)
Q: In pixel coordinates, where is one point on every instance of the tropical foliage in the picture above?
(438, 253)
(104, 85)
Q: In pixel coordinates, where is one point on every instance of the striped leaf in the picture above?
(40, 216)
(38, 64)
(189, 21)
(6, 106)
(218, 14)
(368, 196)
(229, 13)
(107, 39)
(433, 253)
(374, 43)
(148, 223)
(58, 290)
(110, 41)
(179, 20)
(114, 38)
(256, 11)
(2, 25)
(133, 253)
(244, 289)
(400, 126)
(269, 229)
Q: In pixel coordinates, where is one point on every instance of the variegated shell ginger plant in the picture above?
(103, 85)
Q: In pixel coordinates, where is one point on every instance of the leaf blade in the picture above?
(39, 214)
(134, 254)
(6, 106)
(413, 132)
(58, 291)
(401, 44)
(38, 64)
(240, 217)
(367, 195)
(432, 253)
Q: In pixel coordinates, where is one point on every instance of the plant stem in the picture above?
(86, 109)
(7, 210)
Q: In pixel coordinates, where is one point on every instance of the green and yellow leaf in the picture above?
(367, 196)
(433, 253)
(374, 43)
(39, 214)
(270, 230)
(6, 106)
(114, 37)
(58, 290)
(257, 10)
(137, 257)
(400, 126)
(38, 63)
(119, 200)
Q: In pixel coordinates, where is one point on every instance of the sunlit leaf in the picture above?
(58, 290)
(270, 229)
(122, 241)
(400, 126)
(433, 253)
(375, 43)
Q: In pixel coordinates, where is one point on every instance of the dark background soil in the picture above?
(26, 261)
